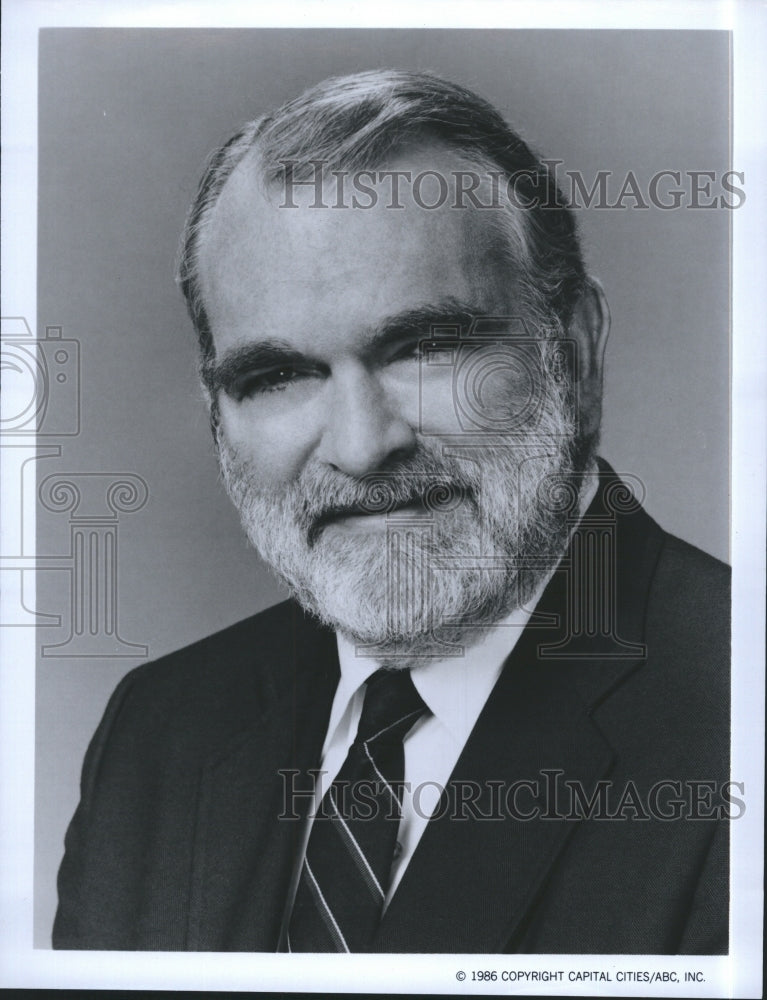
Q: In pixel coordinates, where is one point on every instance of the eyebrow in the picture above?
(421, 321)
(450, 312)
(265, 354)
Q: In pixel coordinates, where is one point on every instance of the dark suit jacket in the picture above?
(177, 844)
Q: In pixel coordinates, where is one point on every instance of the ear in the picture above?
(589, 328)
(210, 402)
(205, 394)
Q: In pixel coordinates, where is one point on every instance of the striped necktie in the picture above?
(345, 874)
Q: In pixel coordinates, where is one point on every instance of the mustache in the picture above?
(320, 497)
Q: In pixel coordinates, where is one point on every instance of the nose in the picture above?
(365, 430)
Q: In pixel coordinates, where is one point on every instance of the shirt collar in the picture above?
(454, 688)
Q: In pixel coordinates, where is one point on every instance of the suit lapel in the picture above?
(248, 823)
(477, 871)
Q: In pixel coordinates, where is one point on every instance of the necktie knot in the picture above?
(391, 708)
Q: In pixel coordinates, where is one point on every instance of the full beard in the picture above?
(493, 520)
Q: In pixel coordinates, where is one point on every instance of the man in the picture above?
(494, 718)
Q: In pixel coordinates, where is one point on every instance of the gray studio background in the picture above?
(126, 120)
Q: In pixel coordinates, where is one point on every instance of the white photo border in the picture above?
(740, 973)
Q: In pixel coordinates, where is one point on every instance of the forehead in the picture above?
(267, 270)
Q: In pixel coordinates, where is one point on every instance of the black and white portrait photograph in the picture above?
(383, 499)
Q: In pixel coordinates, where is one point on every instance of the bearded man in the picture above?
(494, 718)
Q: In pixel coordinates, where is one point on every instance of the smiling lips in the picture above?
(359, 518)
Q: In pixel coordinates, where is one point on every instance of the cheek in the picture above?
(435, 396)
(276, 448)
(492, 390)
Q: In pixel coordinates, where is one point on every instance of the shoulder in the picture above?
(688, 644)
(671, 585)
(682, 562)
(690, 592)
(248, 648)
(218, 686)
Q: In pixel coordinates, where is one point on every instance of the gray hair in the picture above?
(356, 122)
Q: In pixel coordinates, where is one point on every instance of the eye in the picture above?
(410, 350)
(272, 380)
